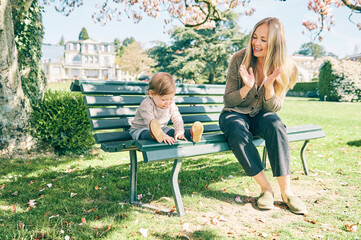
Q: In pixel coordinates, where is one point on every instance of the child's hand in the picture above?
(179, 136)
(168, 139)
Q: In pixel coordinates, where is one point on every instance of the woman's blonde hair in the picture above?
(162, 84)
(276, 56)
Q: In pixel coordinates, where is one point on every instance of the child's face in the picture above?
(161, 101)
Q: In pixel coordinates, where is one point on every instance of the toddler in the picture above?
(155, 111)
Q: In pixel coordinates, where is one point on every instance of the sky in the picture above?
(343, 39)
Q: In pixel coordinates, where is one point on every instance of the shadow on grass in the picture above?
(356, 143)
(96, 194)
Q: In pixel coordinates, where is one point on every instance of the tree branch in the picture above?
(353, 7)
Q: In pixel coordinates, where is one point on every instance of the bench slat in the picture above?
(124, 135)
(113, 100)
(200, 118)
(111, 123)
(140, 90)
(111, 112)
(130, 112)
(306, 136)
(218, 137)
(125, 122)
(136, 100)
(112, 136)
(303, 128)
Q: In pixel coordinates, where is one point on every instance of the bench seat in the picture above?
(112, 106)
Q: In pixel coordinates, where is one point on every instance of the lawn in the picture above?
(86, 197)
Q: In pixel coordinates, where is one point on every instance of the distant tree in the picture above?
(200, 55)
(331, 54)
(312, 49)
(83, 35)
(62, 40)
(120, 46)
(134, 59)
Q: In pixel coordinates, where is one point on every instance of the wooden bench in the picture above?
(112, 106)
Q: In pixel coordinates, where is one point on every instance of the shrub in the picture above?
(60, 119)
(340, 80)
(325, 82)
(301, 89)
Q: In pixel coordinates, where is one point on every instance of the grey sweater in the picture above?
(254, 100)
(147, 111)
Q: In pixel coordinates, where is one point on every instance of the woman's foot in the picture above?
(265, 201)
(197, 131)
(156, 131)
(295, 205)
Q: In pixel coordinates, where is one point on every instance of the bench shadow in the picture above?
(103, 192)
(356, 143)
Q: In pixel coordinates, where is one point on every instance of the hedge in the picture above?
(60, 119)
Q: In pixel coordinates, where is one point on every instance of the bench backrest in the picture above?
(112, 106)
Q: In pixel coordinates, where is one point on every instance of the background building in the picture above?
(85, 59)
(308, 67)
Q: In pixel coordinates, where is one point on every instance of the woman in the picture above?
(257, 81)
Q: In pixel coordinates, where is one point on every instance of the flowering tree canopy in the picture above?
(204, 13)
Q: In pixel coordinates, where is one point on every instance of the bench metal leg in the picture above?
(133, 176)
(175, 187)
(264, 157)
(303, 158)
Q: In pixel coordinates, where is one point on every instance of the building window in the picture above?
(91, 73)
(106, 61)
(74, 73)
(77, 59)
(55, 70)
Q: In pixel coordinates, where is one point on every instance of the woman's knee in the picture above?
(234, 127)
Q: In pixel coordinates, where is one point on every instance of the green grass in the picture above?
(64, 85)
(209, 185)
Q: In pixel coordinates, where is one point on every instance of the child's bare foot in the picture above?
(156, 131)
(197, 131)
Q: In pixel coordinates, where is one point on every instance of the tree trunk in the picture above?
(14, 108)
(211, 78)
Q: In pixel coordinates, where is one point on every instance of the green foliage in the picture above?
(83, 35)
(120, 47)
(200, 55)
(62, 40)
(308, 89)
(340, 80)
(60, 119)
(312, 49)
(325, 80)
(28, 30)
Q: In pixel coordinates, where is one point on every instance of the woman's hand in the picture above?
(271, 78)
(268, 84)
(248, 77)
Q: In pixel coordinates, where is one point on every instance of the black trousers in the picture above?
(239, 129)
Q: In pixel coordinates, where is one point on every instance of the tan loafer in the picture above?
(296, 205)
(197, 131)
(156, 131)
(265, 201)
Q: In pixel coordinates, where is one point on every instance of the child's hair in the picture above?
(162, 84)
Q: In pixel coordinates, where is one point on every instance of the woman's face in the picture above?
(260, 41)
